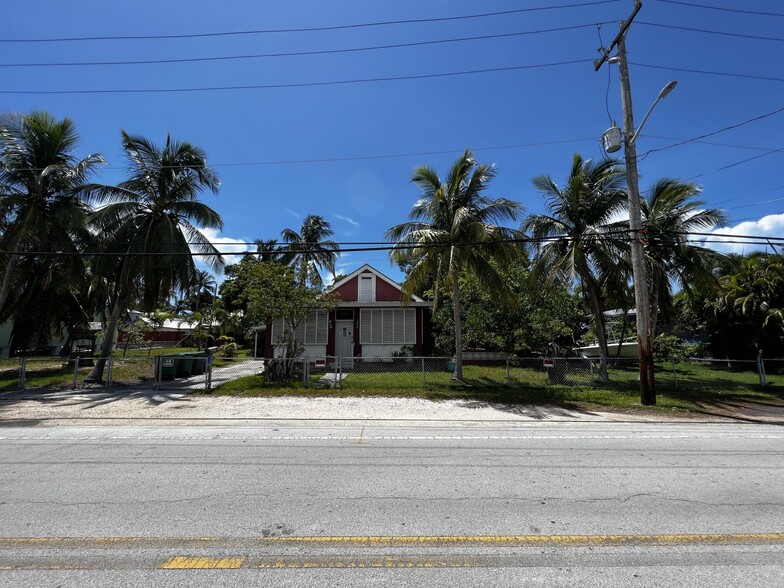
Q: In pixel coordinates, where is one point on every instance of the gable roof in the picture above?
(378, 274)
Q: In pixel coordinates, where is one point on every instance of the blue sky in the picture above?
(526, 121)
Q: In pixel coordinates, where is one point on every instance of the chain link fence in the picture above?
(198, 372)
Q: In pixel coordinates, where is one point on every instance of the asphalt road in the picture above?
(357, 504)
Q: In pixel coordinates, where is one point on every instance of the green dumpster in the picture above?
(166, 367)
(184, 364)
(197, 365)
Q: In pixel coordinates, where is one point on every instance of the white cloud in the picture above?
(224, 245)
(768, 226)
(292, 212)
(350, 221)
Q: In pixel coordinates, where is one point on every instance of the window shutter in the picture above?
(410, 318)
(399, 328)
(310, 328)
(388, 326)
(376, 334)
(366, 289)
(323, 326)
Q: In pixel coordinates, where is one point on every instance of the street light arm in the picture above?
(666, 90)
(645, 118)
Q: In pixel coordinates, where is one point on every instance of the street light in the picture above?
(663, 94)
(612, 138)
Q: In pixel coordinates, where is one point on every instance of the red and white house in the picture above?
(371, 320)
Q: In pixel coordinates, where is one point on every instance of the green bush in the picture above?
(228, 349)
(224, 340)
(669, 347)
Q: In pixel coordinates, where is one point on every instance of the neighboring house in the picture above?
(83, 339)
(371, 320)
(172, 330)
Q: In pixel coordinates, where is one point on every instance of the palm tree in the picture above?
(201, 283)
(40, 185)
(152, 226)
(453, 233)
(670, 214)
(756, 289)
(575, 239)
(310, 251)
(269, 251)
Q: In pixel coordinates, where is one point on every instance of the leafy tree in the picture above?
(529, 323)
(152, 226)
(310, 251)
(272, 291)
(157, 319)
(452, 233)
(756, 290)
(575, 240)
(42, 211)
(670, 213)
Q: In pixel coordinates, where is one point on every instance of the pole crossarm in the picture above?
(597, 63)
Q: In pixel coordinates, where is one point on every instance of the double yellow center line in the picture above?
(319, 551)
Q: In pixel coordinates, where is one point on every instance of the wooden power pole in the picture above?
(641, 297)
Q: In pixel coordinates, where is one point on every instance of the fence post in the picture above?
(76, 373)
(424, 378)
(109, 375)
(508, 373)
(340, 372)
(22, 368)
(674, 376)
(305, 369)
(158, 371)
(208, 373)
(593, 382)
(761, 371)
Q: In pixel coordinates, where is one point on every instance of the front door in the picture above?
(344, 342)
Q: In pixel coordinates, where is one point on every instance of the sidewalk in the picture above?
(157, 406)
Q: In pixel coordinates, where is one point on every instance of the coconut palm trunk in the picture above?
(458, 373)
(601, 331)
(107, 345)
(8, 277)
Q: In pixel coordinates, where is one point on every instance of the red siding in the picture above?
(386, 292)
(167, 336)
(269, 351)
(348, 291)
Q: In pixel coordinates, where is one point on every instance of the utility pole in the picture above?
(641, 298)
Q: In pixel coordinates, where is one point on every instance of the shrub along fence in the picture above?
(197, 372)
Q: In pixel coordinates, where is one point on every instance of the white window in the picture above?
(311, 331)
(366, 290)
(392, 326)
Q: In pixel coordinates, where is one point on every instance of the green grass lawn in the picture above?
(55, 372)
(689, 388)
(145, 352)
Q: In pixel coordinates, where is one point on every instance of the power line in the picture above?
(734, 145)
(709, 31)
(716, 132)
(366, 80)
(721, 8)
(742, 161)
(620, 235)
(298, 84)
(361, 157)
(708, 72)
(297, 53)
(755, 204)
(307, 29)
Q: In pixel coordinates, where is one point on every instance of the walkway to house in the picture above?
(220, 375)
(331, 379)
